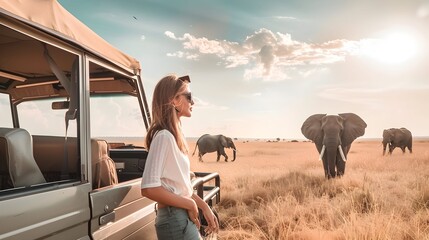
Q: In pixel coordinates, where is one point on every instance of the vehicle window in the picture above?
(117, 127)
(39, 118)
(6, 119)
(117, 119)
(114, 108)
(39, 136)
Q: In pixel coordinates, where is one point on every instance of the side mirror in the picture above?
(60, 105)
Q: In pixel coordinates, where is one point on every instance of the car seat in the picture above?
(16, 158)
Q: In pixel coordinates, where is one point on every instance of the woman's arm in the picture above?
(212, 221)
(165, 197)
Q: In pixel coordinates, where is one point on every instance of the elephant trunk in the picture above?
(234, 150)
(233, 155)
(332, 142)
(331, 158)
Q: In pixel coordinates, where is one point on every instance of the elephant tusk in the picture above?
(322, 152)
(342, 153)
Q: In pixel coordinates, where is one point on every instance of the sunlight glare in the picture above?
(393, 49)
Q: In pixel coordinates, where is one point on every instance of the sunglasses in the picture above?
(185, 78)
(188, 97)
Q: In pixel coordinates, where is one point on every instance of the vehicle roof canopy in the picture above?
(51, 17)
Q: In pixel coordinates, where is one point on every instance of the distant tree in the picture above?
(278, 139)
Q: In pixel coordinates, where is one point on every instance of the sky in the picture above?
(259, 69)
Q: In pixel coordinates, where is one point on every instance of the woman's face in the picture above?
(184, 102)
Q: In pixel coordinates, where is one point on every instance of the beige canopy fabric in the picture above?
(50, 16)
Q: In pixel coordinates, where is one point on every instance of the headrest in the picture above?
(22, 167)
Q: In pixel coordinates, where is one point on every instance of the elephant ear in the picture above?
(403, 130)
(386, 135)
(385, 132)
(223, 141)
(312, 128)
(354, 127)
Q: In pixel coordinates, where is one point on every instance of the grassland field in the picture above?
(277, 190)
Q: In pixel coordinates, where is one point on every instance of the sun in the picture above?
(394, 48)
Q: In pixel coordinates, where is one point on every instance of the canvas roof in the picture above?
(51, 17)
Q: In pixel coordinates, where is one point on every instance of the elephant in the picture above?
(333, 136)
(210, 143)
(397, 137)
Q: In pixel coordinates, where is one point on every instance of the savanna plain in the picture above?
(277, 190)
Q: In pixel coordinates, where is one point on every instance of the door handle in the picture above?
(108, 217)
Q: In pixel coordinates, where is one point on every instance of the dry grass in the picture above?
(278, 191)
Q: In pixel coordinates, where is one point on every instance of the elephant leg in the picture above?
(218, 156)
(332, 173)
(403, 150)
(222, 152)
(385, 144)
(341, 167)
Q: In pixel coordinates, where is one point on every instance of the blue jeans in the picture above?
(173, 223)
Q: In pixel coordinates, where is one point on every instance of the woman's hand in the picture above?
(212, 221)
(163, 196)
(193, 213)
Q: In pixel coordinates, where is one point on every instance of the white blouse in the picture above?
(167, 166)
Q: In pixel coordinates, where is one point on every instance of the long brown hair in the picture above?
(164, 115)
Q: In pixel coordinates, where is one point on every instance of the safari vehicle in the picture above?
(62, 88)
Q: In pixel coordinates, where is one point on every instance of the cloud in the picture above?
(267, 58)
(266, 54)
(170, 35)
(285, 18)
(181, 54)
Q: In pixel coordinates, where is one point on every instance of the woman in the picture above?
(166, 178)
